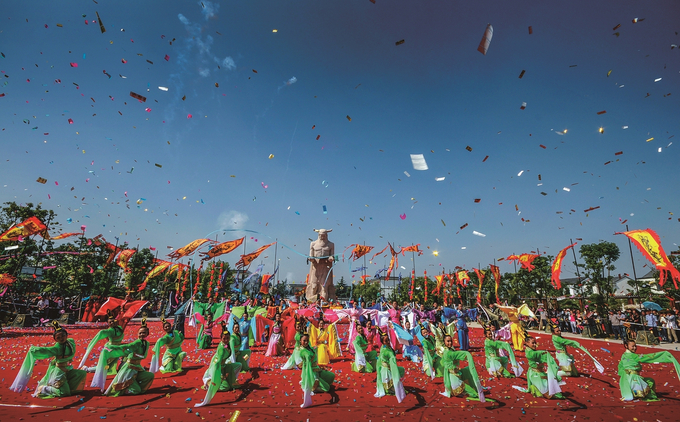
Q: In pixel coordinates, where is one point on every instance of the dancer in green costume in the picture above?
(432, 364)
(459, 381)
(496, 364)
(173, 356)
(542, 378)
(363, 361)
(294, 361)
(114, 334)
(221, 374)
(132, 379)
(313, 379)
(564, 359)
(389, 374)
(632, 384)
(60, 380)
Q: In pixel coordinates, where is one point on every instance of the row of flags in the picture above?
(647, 241)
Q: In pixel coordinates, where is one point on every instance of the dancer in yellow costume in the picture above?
(518, 332)
(325, 339)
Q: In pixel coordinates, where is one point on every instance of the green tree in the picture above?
(280, 289)
(369, 292)
(535, 284)
(80, 268)
(598, 258)
(27, 253)
(139, 265)
(342, 289)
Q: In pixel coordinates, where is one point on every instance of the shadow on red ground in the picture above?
(270, 394)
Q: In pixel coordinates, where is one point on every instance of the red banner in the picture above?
(496, 272)
(425, 276)
(412, 248)
(6, 279)
(480, 277)
(188, 249)
(379, 253)
(359, 251)
(28, 227)
(440, 280)
(557, 267)
(462, 277)
(61, 236)
(124, 257)
(222, 248)
(265, 284)
(247, 259)
(525, 260)
(113, 249)
(363, 279)
(648, 242)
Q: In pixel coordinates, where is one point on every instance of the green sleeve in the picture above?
(563, 342)
(506, 346)
(307, 381)
(101, 335)
(45, 352)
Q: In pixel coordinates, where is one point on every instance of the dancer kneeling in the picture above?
(61, 379)
(314, 379)
(294, 361)
(496, 364)
(389, 374)
(632, 384)
(132, 379)
(221, 374)
(173, 356)
(564, 359)
(459, 381)
(114, 334)
(542, 378)
(363, 361)
(432, 365)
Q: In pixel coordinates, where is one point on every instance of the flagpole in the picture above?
(632, 261)
(578, 274)
(40, 249)
(276, 246)
(496, 281)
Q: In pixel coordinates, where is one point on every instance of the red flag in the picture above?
(124, 257)
(359, 251)
(6, 279)
(28, 227)
(557, 267)
(525, 260)
(379, 253)
(221, 249)
(440, 280)
(61, 236)
(480, 277)
(648, 242)
(462, 277)
(264, 289)
(159, 268)
(496, 272)
(247, 259)
(188, 249)
(393, 262)
(113, 249)
(412, 248)
(425, 277)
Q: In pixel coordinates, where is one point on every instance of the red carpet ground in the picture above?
(271, 394)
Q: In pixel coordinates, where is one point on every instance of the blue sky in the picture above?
(253, 93)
